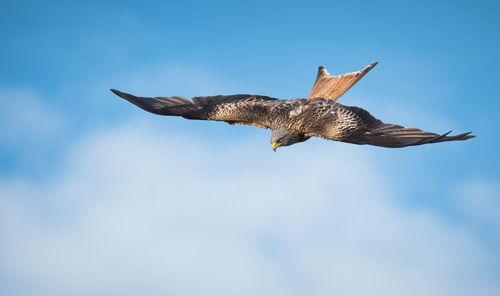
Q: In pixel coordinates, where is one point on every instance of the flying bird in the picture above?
(295, 121)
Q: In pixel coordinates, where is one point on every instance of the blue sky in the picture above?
(88, 181)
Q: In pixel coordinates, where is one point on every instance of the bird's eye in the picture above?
(280, 140)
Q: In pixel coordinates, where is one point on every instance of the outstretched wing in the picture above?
(234, 109)
(382, 134)
(332, 87)
(333, 121)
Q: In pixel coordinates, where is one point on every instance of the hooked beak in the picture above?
(275, 146)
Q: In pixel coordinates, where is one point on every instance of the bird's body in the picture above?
(293, 121)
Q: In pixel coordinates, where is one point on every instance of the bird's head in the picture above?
(282, 136)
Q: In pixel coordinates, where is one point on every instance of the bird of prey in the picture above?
(295, 121)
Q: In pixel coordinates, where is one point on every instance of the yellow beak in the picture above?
(275, 145)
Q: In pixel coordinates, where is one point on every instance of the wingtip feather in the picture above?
(123, 95)
(116, 92)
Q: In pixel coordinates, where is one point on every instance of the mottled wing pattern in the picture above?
(234, 109)
(238, 109)
(333, 121)
(329, 120)
(332, 87)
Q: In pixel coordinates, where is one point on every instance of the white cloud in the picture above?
(24, 116)
(480, 203)
(139, 211)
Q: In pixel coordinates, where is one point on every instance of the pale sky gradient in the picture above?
(98, 197)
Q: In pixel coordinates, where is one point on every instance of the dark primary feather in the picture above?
(319, 117)
(175, 106)
(396, 136)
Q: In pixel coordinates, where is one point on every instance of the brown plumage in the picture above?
(293, 121)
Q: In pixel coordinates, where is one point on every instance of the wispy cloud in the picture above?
(24, 116)
(480, 203)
